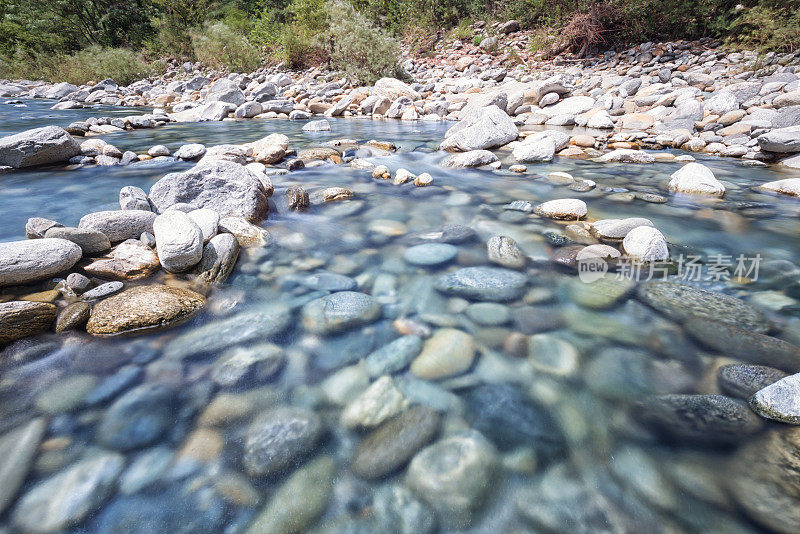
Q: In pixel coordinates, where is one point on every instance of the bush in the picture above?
(94, 63)
(463, 30)
(476, 39)
(768, 27)
(220, 46)
(360, 49)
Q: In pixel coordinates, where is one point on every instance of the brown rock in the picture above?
(144, 308)
(130, 260)
(22, 319)
(73, 316)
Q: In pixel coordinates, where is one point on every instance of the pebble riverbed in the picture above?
(372, 369)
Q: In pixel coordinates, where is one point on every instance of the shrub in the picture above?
(220, 46)
(463, 30)
(357, 47)
(766, 27)
(476, 39)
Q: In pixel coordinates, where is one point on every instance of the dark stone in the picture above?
(742, 381)
(698, 419)
(510, 418)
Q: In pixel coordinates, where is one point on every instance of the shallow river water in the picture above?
(542, 431)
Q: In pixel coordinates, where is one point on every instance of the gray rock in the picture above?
(483, 283)
(535, 149)
(259, 323)
(393, 357)
(510, 418)
(681, 302)
(744, 345)
(40, 146)
(247, 365)
(138, 418)
(430, 254)
(743, 381)
(779, 401)
(119, 225)
(225, 187)
(36, 227)
(504, 251)
(78, 283)
(133, 198)
(22, 262)
(317, 126)
(190, 151)
(340, 311)
(395, 442)
(219, 259)
(329, 282)
(397, 509)
(299, 501)
(17, 451)
(102, 291)
(484, 128)
(454, 475)
(472, 158)
(698, 419)
(248, 110)
(68, 497)
(778, 140)
(297, 198)
(278, 438)
(179, 241)
(763, 478)
(90, 241)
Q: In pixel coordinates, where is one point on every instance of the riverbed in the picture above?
(527, 415)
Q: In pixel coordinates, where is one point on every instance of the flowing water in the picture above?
(562, 360)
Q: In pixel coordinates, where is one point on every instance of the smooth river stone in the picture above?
(119, 225)
(299, 501)
(454, 475)
(138, 418)
(260, 323)
(447, 353)
(20, 319)
(144, 308)
(483, 283)
(278, 438)
(393, 357)
(69, 496)
(430, 254)
(602, 293)
(339, 312)
(698, 419)
(764, 479)
(510, 418)
(745, 345)
(179, 241)
(394, 443)
(681, 302)
(17, 450)
(743, 381)
(779, 401)
(90, 241)
(22, 262)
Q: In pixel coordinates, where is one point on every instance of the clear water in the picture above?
(655, 485)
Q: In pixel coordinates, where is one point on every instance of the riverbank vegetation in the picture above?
(78, 40)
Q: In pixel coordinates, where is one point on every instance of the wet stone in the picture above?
(483, 283)
(330, 282)
(488, 313)
(430, 254)
(779, 401)
(698, 419)
(339, 312)
(454, 475)
(73, 316)
(745, 345)
(681, 302)
(510, 418)
(247, 365)
(138, 418)
(393, 357)
(113, 385)
(744, 380)
(278, 438)
(395, 442)
(447, 353)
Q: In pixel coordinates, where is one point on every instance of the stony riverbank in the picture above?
(308, 332)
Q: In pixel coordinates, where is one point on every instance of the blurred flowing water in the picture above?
(592, 366)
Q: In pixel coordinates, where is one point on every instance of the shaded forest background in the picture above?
(78, 40)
